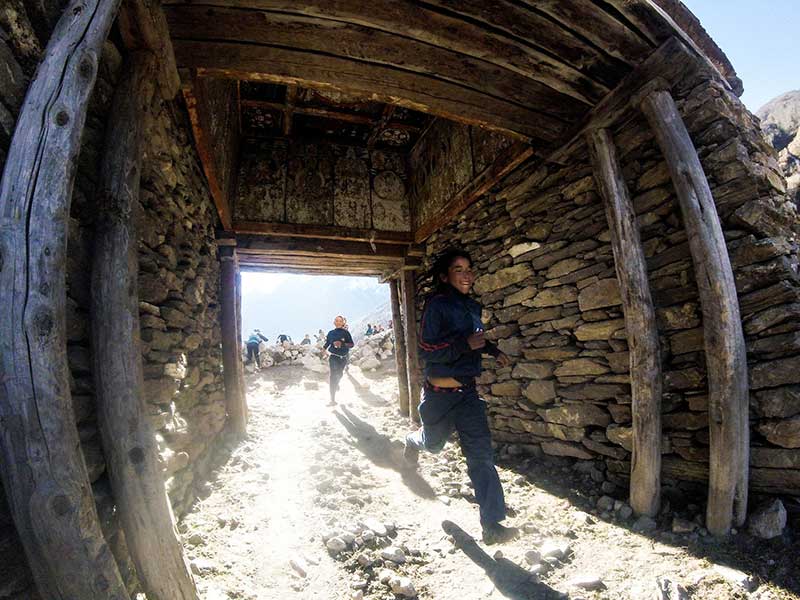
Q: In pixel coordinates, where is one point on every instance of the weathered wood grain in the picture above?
(400, 352)
(408, 290)
(722, 326)
(129, 443)
(382, 83)
(143, 26)
(324, 232)
(268, 245)
(640, 324)
(43, 470)
(231, 343)
(347, 40)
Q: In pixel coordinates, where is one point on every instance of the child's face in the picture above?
(338, 322)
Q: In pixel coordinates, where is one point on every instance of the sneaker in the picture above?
(411, 455)
(495, 533)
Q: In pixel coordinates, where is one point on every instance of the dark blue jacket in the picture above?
(449, 318)
(339, 335)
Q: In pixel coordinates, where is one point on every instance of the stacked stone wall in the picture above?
(178, 286)
(546, 278)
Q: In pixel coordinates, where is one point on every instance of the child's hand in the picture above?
(337, 344)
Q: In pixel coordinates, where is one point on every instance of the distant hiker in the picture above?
(451, 342)
(306, 340)
(284, 338)
(252, 347)
(338, 343)
(320, 336)
(369, 329)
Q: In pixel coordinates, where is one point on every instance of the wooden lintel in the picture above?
(322, 232)
(143, 26)
(205, 151)
(670, 62)
(509, 159)
(266, 246)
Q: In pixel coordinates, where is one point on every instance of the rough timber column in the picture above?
(724, 341)
(399, 346)
(43, 470)
(128, 438)
(408, 288)
(231, 345)
(640, 324)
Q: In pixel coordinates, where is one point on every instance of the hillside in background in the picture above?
(780, 121)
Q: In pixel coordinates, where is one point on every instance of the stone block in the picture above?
(502, 278)
(540, 393)
(532, 370)
(580, 414)
(778, 402)
(581, 366)
(555, 296)
(600, 294)
(775, 373)
(599, 330)
(559, 448)
(784, 433)
(506, 388)
(622, 436)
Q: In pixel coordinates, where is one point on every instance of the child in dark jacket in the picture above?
(338, 343)
(451, 343)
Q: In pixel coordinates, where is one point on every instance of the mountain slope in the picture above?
(780, 121)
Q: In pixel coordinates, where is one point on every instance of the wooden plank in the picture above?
(400, 352)
(640, 324)
(381, 83)
(231, 343)
(204, 147)
(597, 26)
(252, 244)
(763, 480)
(44, 474)
(509, 160)
(313, 111)
(143, 26)
(373, 46)
(323, 232)
(724, 341)
(409, 309)
(439, 28)
(670, 63)
(128, 437)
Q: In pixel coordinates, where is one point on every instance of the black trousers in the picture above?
(252, 352)
(337, 364)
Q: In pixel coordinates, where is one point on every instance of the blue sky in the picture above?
(760, 39)
(299, 304)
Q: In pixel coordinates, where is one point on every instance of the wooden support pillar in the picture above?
(128, 438)
(724, 341)
(640, 324)
(408, 290)
(231, 342)
(43, 470)
(399, 346)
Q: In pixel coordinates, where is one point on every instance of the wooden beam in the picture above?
(128, 437)
(670, 63)
(262, 245)
(322, 232)
(381, 83)
(205, 151)
(44, 473)
(289, 109)
(724, 341)
(409, 308)
(143, 26)
(400, 352)
(509, 159)
(640, 324)
(365, 45)
(231, 343)
(313, 111)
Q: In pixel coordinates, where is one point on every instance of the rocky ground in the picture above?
(316, 504)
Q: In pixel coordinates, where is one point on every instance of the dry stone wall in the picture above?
(546, 279)
(178, 284)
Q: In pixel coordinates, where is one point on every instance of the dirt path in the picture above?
(310, 477)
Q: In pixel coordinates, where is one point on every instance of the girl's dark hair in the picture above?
(442, 264)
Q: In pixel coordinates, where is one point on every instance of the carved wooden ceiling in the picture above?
(270, 110)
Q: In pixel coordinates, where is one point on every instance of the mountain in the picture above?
(379, 315)
(780, 121)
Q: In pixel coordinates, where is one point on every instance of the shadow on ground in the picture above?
(366, 395)
(510, 579)
(382, 451)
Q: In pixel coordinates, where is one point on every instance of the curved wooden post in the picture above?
(640, 324)
(44, 473)
(231, 343)
(128, 438)
(408, 289)
(724, 341)
(399, 346)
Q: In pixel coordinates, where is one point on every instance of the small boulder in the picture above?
(768, 520)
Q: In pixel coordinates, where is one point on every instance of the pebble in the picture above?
(359, 584)
(530, 528)
(554, 549)
(393, 554)
(201, 566)
(403, 586)
(768, 520)
(196, 539)
(625, 512)
(736, 577)
(357, 595)
(299, 566)
(336, 545)
(680, 525)
(385, 575)
(376, 527)
(644, 523)
(587, 582)
(532, 557)
(605, 503)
